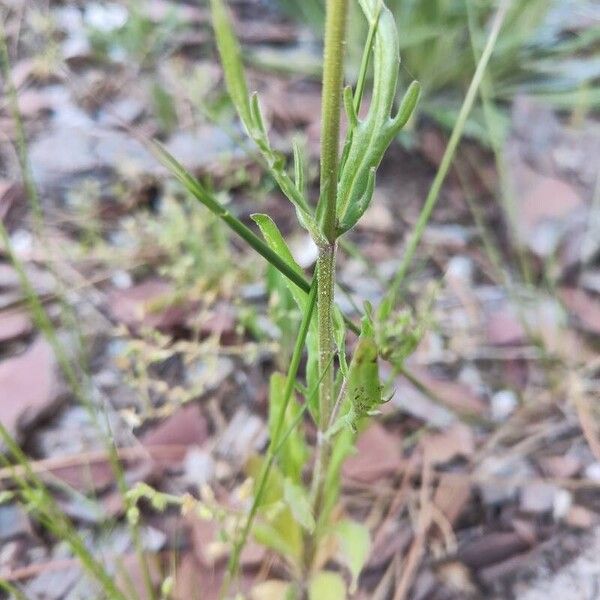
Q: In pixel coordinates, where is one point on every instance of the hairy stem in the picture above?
(333, 73)
(325, 304)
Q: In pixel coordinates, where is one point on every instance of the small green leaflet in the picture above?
(363, 388)
(355, 547)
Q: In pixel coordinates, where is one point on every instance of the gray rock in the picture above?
(245, 434)
(500, 478)
(538, 497)
(61, 152)
(13, 522)
(198, 467)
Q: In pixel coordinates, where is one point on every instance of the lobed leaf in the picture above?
(368, 139)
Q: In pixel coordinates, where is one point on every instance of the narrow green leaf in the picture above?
(299, 166)
(257, 117)
(277, 244)
(292, 453)
(297, 499)
(327, 585)
(354, 547)
(231, 60)
(349, 106)
(455, 137)
(408, 105)
(198, 191)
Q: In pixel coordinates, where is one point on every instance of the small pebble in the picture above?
(121, 279)
(538, 497)
(460, 269)
(563, 500)
(593, 472)
(198, 466)
(503, 404)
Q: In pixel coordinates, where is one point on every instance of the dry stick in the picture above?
(47, 465)
(584, 413)
(411, 564)
(455, 137)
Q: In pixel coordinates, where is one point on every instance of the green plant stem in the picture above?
(333, 73)
(455, 138)
(326, 342)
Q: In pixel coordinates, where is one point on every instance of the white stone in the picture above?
(503, 404)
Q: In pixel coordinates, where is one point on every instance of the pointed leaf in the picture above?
(297, 500)
(327, 585)
(355, 547)
(293, 453)
(231, 60)
(277, 243)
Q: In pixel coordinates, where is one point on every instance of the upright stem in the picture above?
(325, 283)
(333, 73)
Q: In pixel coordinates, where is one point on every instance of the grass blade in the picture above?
(434, 191)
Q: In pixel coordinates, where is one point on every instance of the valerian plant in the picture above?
(296, 516)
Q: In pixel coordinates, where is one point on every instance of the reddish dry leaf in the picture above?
(503, 328)
(444, 447)
(186, 427)
(451, 496)
(220, 322)
(12, 203)
(203, 534)
(95, 477)
(14, 325)
(547, 198)
(29, 387)
(579, 517)
(561, 467)
(457, 396)
(378, 455)
(149, 304)
(188, 578)
(130, 570)
(287, 106)
(585, 307)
